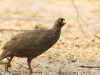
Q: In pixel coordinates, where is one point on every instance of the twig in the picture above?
(78, 19)
(89, 66)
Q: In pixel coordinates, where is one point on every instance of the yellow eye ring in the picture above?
(59, 20)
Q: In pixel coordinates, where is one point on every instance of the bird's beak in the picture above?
(63, 22)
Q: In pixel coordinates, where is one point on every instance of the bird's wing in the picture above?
(22, 42)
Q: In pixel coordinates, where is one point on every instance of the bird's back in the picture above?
(31, 43)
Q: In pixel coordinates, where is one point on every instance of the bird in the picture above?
(32, 43)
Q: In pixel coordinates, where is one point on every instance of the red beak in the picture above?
(63, 22)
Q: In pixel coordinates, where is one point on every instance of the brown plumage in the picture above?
(32, 43)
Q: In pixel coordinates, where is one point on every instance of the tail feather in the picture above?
(1, 58)
(5, 54)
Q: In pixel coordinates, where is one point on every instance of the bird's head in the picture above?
(60, 22)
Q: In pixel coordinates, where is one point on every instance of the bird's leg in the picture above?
(29, 66)
(9, 60)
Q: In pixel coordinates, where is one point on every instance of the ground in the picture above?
(73, 54)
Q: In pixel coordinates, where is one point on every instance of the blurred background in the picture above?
(20, 15)
(26, 14)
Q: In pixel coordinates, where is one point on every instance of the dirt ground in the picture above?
(73, 54)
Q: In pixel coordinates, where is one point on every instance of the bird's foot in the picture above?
(6, 69)
(28, 69)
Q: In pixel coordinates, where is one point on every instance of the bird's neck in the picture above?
(56, 29)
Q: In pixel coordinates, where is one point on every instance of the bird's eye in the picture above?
(59, 20)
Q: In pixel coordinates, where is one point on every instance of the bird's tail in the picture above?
(1, 58)
(4, 54)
